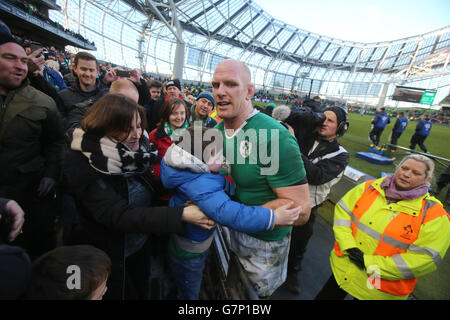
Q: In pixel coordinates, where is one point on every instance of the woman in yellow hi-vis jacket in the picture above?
(389, 232)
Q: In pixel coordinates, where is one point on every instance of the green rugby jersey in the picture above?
(263, 155)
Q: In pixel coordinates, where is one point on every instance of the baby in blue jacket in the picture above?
(191, 179)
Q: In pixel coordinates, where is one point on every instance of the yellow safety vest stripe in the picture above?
(343, 217)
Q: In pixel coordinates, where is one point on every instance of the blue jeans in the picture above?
(188, 274)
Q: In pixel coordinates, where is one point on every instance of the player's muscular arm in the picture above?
(298, 194)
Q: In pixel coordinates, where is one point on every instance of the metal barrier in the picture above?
(350, 179)
(429, 155)
(224, 278)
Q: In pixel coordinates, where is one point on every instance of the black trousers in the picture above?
(375, 135)
(394, 137)
(331, 291)
(416, 139)
(299, 240)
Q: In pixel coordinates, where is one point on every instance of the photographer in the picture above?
(314, 103)
(325, 161)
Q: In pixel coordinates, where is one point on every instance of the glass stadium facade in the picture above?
(188, 38)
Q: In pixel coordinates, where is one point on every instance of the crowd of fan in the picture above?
(31, 9)
(54, 72)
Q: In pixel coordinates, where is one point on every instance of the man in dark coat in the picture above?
(31, 148)
(87, 88)
(153, 107)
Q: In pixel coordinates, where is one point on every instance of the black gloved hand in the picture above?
(357, 257)
(45, 186)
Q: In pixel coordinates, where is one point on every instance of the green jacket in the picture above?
(31, 137)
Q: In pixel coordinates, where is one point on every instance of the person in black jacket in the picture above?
(108, 173)
(73, 121)
(442, 181)
(76, 115)
(31, 148)
(325, 161)
(87, 87)
(154, 105)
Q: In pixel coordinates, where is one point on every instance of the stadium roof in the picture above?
(245, 25)
(144, 33)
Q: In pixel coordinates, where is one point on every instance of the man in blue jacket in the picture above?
(379, 123)
(399, 127)
(423, 129)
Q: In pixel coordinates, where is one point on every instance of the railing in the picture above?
(224, 278)
(418, 152)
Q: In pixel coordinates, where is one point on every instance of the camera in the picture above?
(305, 123)
(123, 73)
(36, 46)
(315, 106)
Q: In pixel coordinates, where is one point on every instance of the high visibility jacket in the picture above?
(213, 114)
(401, 241)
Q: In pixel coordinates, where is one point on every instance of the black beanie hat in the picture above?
(174, 82)
(340, 113)
(6, 37)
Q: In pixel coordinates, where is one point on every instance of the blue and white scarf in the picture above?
(110, 156)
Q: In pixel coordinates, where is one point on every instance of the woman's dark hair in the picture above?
(112, 115)
(50, 273)
(169, 105)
